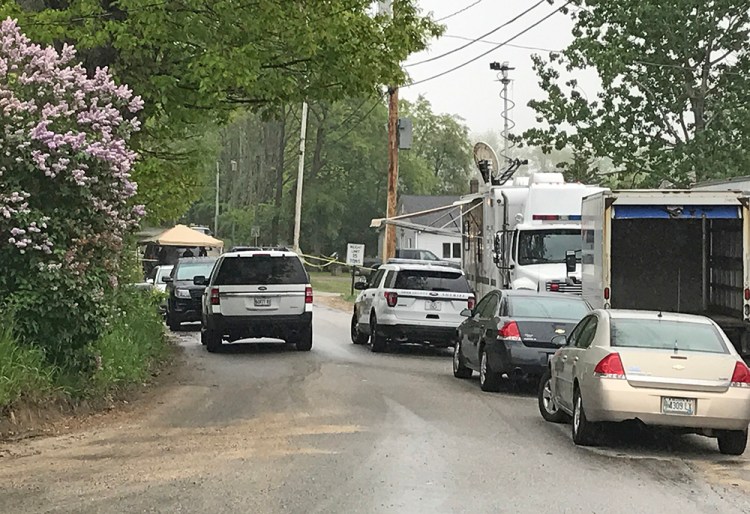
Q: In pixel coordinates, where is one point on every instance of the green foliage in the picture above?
(134, 341)
(674, 79)
(24, 373)
(195, 62)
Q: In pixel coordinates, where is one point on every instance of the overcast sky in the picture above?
(473, 92)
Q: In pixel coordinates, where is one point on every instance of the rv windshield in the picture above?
(547, 246)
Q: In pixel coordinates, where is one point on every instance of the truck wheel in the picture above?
(213, 340)
(585, 433)
(547, 406)
(732, 442)
(357, 336)
(459, 368)
(305, 341)
(489, 380)
(378, 342)
(173, 324)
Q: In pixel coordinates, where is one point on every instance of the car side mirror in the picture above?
(200, 280)
(570, 261)
(466, 313)
(167, 280)
(360, 286)
(560, 340)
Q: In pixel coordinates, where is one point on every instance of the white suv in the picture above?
(411, 303)
(264, 293)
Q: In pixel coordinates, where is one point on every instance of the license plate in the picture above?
(433, 306)
(684, 406)
(262, 302)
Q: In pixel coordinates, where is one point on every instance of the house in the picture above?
(444, 246)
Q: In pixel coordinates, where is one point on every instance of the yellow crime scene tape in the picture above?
(327, 261)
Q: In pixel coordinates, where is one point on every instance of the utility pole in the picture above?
(216, 211)
(389, 246)
(300, 178)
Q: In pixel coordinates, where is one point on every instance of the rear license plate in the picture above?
(262, 302)
(433, 306)
(684, 406)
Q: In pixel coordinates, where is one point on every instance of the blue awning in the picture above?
(712, 212)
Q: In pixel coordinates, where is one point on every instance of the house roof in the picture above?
(416, 203)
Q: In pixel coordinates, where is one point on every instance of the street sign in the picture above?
(254, 231)
(355, 254)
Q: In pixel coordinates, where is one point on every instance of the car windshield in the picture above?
(190, 270)
(546, 307)
(428, 280)
(547, 246)
(261, 270)
(666, 335)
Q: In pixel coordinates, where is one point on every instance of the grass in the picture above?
(339, 284)
(134, 342)
(24, 372)
(124, 356)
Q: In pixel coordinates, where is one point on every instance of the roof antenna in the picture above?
(659, 315)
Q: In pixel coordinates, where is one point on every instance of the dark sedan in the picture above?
(510, 332)
(184, 296)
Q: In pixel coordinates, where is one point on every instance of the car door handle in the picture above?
(575, 359)
(564, 358)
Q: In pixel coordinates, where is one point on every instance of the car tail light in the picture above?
(215, 300)
(554, 287)
(308, 294)
(741, 375)
(391, 298)
(606, 293)
(747, 294)
(510, 331)
(472, 303)
(610, 367)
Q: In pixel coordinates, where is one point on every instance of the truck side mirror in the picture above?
(570, 261)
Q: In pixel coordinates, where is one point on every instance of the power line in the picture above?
(460, 10)
(466, 63)
(519, 16)
(524, 47)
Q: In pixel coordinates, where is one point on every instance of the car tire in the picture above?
(173, 324)
(489, 380)
(584, 432)
(459, 367)
(547, 407)
(357, 336)
(213, 340)
(378, 342)
(305, 341)
(732, 442)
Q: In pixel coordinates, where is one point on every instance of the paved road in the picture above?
(267, 429)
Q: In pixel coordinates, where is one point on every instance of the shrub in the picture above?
(66, 198)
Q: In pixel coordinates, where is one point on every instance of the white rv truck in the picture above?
(516, 236)
(671, 250)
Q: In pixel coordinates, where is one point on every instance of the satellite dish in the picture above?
(484, 153)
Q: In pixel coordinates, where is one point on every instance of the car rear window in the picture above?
(545, 307)
(188, 271)
(261, 270)
(427, 280)
(666, 335)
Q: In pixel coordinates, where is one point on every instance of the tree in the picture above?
(442, 148)
(65, 191)
(194, 62)
(674, 77)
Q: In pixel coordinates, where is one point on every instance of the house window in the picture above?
(446, 250)
(456, 250)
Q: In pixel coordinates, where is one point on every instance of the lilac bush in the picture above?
(66, 195)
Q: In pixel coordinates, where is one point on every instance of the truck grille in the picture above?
(564, 287)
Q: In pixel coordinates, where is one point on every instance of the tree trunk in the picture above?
(279, 189)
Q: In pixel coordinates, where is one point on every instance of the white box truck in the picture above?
(516, 235)
(671, 250)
